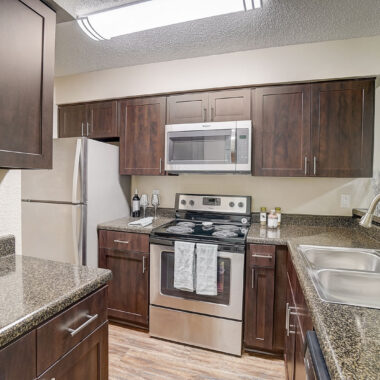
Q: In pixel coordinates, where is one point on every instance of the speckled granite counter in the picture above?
(7, 245)
(33, 290)
(349, 336)
(122, 225)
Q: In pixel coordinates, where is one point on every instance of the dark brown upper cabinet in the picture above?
(319, 129)
(281, 119)
(228, 105)
(27, 40)
(142, 136)
(96, 120)
(342, 122)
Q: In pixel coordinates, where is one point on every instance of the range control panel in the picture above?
(231, 204)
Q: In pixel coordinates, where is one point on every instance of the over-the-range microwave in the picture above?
(219, 147)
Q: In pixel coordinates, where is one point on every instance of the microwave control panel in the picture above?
(242, 145)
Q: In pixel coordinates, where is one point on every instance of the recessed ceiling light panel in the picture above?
(152, 14)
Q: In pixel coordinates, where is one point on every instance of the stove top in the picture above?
(203, 230)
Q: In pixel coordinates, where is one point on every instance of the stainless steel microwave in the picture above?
(220, 147)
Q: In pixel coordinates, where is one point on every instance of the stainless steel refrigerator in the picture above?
(62, 207)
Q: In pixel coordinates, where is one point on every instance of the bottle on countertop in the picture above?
(263, 216)
(278, 212)
(272, 219)
(136, 205)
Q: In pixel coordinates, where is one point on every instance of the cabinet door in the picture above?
(88, 360)
(72, 121)
(188, 108)
(259, 306)
(281, 130)
(142, 136)
(27, 40)
(128, 292)
(230, 105)
(342, 128)
(102, 119)
(22, 351)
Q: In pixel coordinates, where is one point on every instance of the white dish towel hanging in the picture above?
(207, 269)
(184, 265)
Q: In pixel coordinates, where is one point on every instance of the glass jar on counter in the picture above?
(278, 213)
(272, 219)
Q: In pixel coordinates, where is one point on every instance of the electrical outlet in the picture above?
(345, 201)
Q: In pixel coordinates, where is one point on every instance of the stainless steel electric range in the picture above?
(213, 322)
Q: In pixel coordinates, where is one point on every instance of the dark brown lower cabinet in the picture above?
(88, 360)
(265, 293)
(298, 322)
(20, 351)
(127, 256)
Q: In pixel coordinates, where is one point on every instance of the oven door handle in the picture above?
(233, 146)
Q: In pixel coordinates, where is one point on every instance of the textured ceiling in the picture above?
(278, 23)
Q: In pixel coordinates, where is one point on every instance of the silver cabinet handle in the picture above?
(160, 165)
(263, 256)
(143, 264)
(287, 319)
(253, 278)
(82, 127)
(121, 241)
(204, 114)
(305, 165)
(90, 318)
(212, 113)
(315, 165)
(87, 128)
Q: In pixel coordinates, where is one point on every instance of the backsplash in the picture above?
(10, 205)
(7, 245)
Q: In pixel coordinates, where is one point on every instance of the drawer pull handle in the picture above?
(121, 241)
(263, 256)
(90, 318)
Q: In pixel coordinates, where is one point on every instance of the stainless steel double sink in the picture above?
(345, 275)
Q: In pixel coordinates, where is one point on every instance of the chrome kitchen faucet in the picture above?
(366, 220)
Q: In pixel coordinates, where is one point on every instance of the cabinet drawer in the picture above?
(124, 241)
(262, 255)
(63, 332)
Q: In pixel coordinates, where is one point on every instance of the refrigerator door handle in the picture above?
(77, 237)
(78, 149)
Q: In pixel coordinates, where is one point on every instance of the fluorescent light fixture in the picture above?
(150, 14)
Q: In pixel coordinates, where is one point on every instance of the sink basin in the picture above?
(342, 258)
(348, 287)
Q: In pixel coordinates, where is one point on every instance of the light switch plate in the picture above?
(345, 201)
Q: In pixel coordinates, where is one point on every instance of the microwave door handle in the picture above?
(233, 145)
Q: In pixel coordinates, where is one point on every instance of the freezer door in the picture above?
(65, 182)
(53, 231)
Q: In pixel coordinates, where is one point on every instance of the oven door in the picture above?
(228, 303)
(200, 147)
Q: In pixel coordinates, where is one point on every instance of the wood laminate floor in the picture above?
(133, 355)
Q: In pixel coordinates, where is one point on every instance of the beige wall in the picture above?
(10, 205)
(326, 60)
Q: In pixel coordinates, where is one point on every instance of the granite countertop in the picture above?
(122, 225)
(33, 290)
(349, 336)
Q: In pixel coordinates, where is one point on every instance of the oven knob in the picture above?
(183, 202)
(244, 220)
(191, 203)
(232, 204)
(241, 204)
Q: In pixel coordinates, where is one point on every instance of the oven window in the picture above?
(167, 281)
(200, 147)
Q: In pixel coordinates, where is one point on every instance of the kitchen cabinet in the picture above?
(87, 360)
(20, 351)
(27, 41)
(319, 129)
(96, 120)
(227, 105)
(298, 321)
(265, 294)
(127, 255)
(342, 122)
(71, 345)
(142, 136)
(281, 119)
